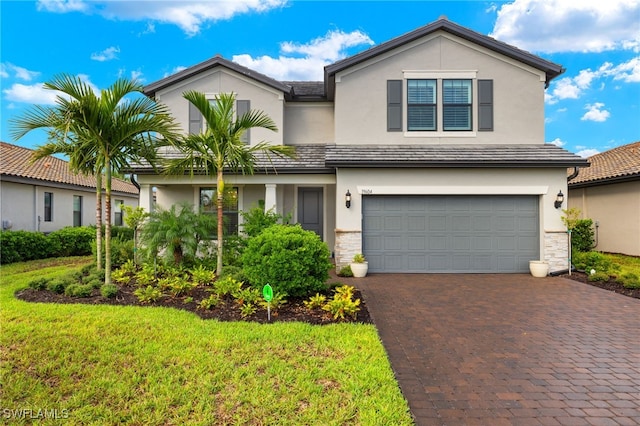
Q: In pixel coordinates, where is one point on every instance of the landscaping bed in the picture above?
(610, 284)
(227, 310)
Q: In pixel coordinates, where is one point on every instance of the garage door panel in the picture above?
(450, 233)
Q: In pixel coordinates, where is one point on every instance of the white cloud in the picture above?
(305, 61)
(7, 69)
(595, 112)
(136, 75)
(586, 153)
(37, 94)
(62, 6)
(574, 87)
(558, 142)
(106, 55)
(31, 94)
(174, 70)
(569, 26)
(189, 15)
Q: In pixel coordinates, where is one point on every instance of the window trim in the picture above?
(77, 212)
(469, 105)
(48, 210)
(440, 76)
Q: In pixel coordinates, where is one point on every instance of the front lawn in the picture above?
(147, 365)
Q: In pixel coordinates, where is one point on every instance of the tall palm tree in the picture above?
(102, 132)
(219, 148)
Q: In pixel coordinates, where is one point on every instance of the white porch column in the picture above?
(146, 198)
(270, 197)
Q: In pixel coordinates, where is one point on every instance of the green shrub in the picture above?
(148, 294)
(629, 280)
(315, 302)
(95, 283)
(343, 303)
(121, 251)
(582, 236)
(109, 291)
(290, 259)
(598, 276)
(203, 276)
(257, 220)
(20, 246)
(345, 271)
(78, 290)
(73, 241)
(57, 285)
(39, 283)
(593, 260)
(226, 286)
(122, 233)
(247, 309)
(210, 302)
(248, 295)
(234, 272)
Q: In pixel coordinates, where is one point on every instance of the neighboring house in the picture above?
(436, 137)
(608, 192)
(46, 196)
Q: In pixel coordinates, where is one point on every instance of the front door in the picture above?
(310, 209)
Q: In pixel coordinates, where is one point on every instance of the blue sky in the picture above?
(594, 106)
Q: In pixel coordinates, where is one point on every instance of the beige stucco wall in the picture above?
(220, 80)
(308, 123)
(478, 181)
(616, 208)
(23, 203)
(361, 94)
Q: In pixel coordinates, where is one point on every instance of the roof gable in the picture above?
(617, 164)
(216, 61)
(15, 162)
(551, 69)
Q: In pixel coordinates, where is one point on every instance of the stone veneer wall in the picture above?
(348, 243)
(556, 250)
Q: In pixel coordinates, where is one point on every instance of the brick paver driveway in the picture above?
(509, 349)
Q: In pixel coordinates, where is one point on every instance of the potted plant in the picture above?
(359, 266)
(539, 268)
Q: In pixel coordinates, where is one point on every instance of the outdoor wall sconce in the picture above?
(347, 199)
(559, 200)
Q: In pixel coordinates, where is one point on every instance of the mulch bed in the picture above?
(228, 310)
(610, 285)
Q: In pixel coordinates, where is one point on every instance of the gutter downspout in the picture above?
(573, 175)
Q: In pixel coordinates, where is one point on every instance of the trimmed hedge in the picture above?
(20, 246)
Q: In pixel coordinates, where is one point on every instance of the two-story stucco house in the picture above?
(426, 153)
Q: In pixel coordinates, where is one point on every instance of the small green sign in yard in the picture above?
(267, 292)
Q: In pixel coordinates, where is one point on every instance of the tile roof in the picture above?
(543, 155)
(325, 158)
(621, 163)
(15, 162)
(308, 159)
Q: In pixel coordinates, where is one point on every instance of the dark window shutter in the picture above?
(485, 105)
(195, 120)
(394, 105)
(243, 107)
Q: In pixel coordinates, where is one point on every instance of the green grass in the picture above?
(143, 366)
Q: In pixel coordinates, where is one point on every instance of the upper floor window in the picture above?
(208, 197)
(197, 123)
(48, 206)
(456, 105)
(77, 210)
(441, 103)
(421, 105)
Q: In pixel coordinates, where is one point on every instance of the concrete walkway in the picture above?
(508, 349)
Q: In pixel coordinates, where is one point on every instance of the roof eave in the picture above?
(152, 88)
(605, 181)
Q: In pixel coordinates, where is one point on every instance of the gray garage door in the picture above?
(450, 233)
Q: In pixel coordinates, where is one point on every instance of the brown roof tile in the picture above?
(618, 163)
(14, 161)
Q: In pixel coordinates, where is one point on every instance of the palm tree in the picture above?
(179, 230)
(102, 133)
(219, 147)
